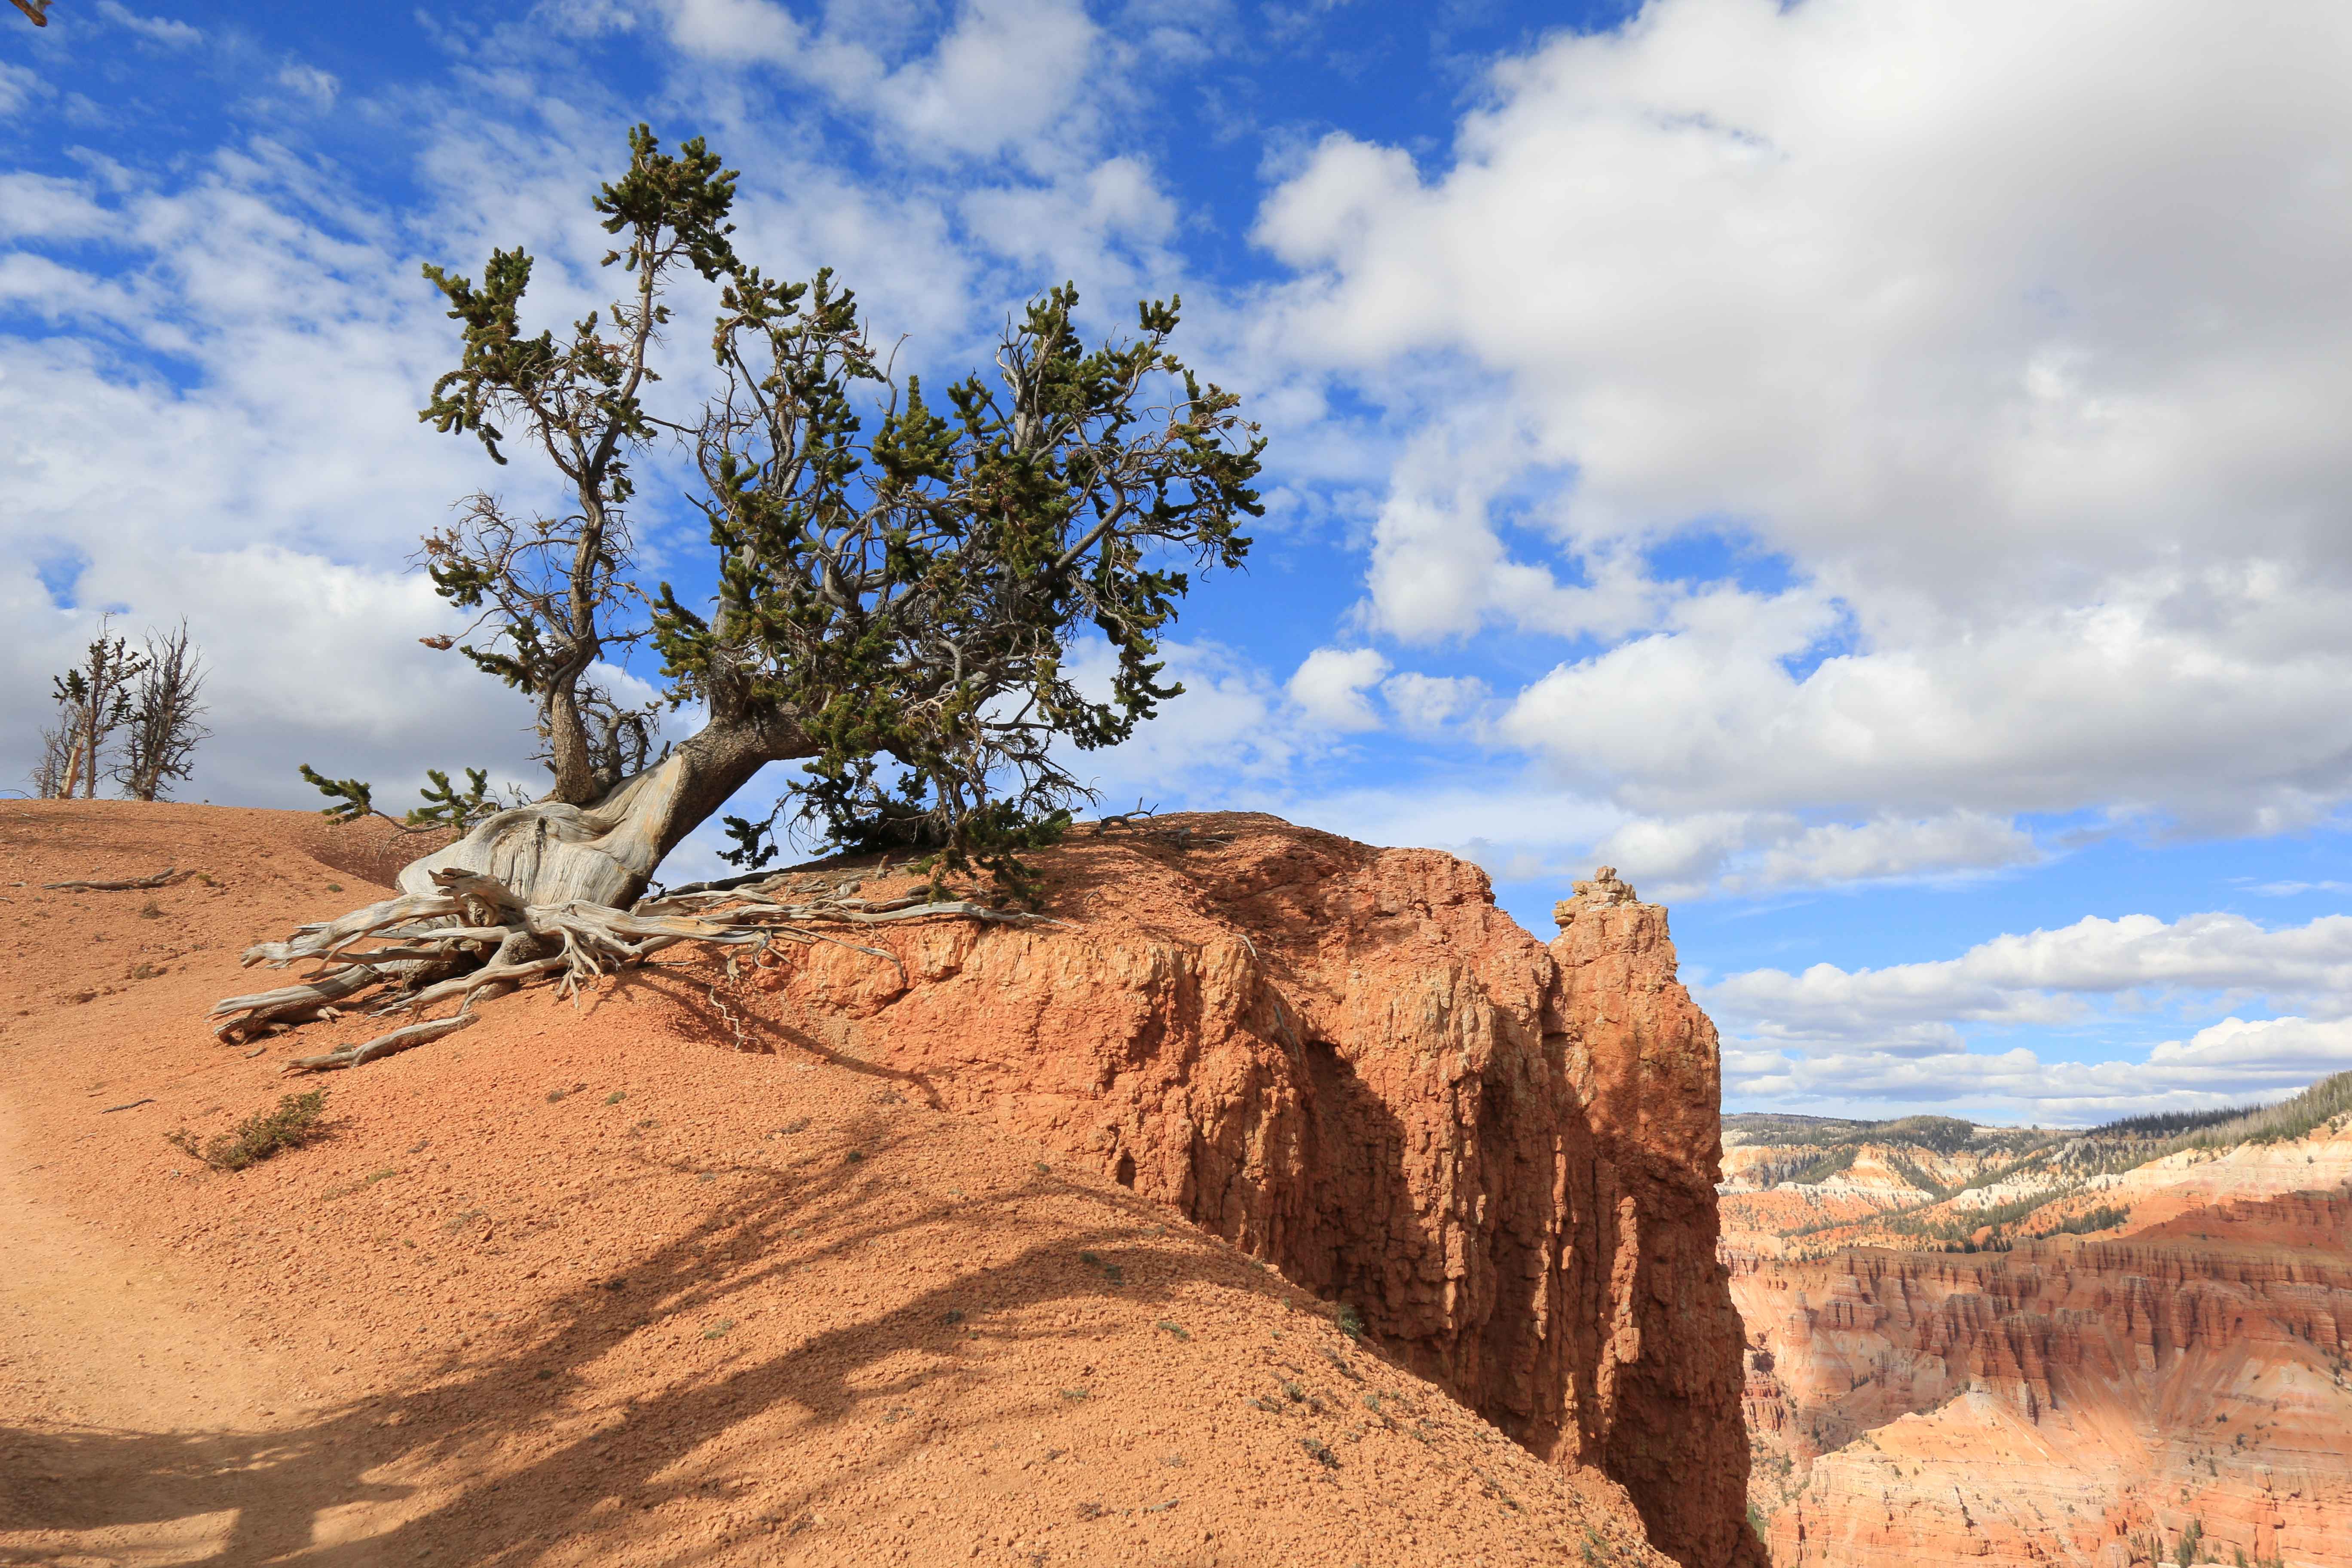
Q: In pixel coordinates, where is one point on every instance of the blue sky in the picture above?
(1873, 472)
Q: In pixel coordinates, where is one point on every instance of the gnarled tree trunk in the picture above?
(552, 853)
(554, 892)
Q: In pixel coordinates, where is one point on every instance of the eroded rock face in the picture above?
(1347, 1061)
(2072, 1401)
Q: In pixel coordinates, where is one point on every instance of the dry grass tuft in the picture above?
(296, 1121)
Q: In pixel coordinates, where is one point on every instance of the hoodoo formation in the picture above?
(2075, 1351)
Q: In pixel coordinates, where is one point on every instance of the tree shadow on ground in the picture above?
(445, 1438)
(691, 987)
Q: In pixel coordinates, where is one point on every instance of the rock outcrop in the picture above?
(1350, 1064)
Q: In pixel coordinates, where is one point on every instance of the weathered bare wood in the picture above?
(129, 885)
(464, 986)
(721, 885)
(399, 1039)
(793, 933)
(376, 957)
(554, 853)
(591, 938)
(320, 940)
(291, 1004)
(445, 934)
(963, 908)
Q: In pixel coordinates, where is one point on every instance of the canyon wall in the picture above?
(1347, 1062)
(2070, 1401)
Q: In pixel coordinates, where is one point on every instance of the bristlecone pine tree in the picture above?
(94, 699)
(900, 585)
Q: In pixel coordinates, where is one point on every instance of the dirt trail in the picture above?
(587, 1287)
(141, 1427)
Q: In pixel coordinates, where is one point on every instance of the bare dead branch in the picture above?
(399, 1039)
(292, 1003)
(322, 941)
(129, 885)
(464, 986)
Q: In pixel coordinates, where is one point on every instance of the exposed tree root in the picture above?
(129, 885)
(241, 1017)
(399, 1039)
(472, 939)
(1132, 821)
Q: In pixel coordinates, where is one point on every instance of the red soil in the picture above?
(594, 1286)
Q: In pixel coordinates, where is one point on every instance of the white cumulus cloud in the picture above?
(1329, 684)
(2012, 332)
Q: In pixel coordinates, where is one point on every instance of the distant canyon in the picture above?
(2030, 1346)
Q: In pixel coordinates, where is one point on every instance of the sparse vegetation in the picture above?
(2322, 1101)
(1945, 1134)
(160, 733)
(371, 1179)
(2164, 1124)
(149, 698)
(296, 1120)
(1835, 1161)
(1914, 1176)
(93, 702)
(2101, 1216)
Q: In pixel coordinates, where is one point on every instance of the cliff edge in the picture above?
(846, 1254)
(1347, 1062)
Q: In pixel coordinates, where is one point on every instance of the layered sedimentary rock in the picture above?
(2073, 1400)
(1347, 1062)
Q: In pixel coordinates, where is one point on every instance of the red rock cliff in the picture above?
(1347, 1061)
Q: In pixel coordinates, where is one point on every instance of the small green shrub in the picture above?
(295, 1122)
(1350, 1322)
